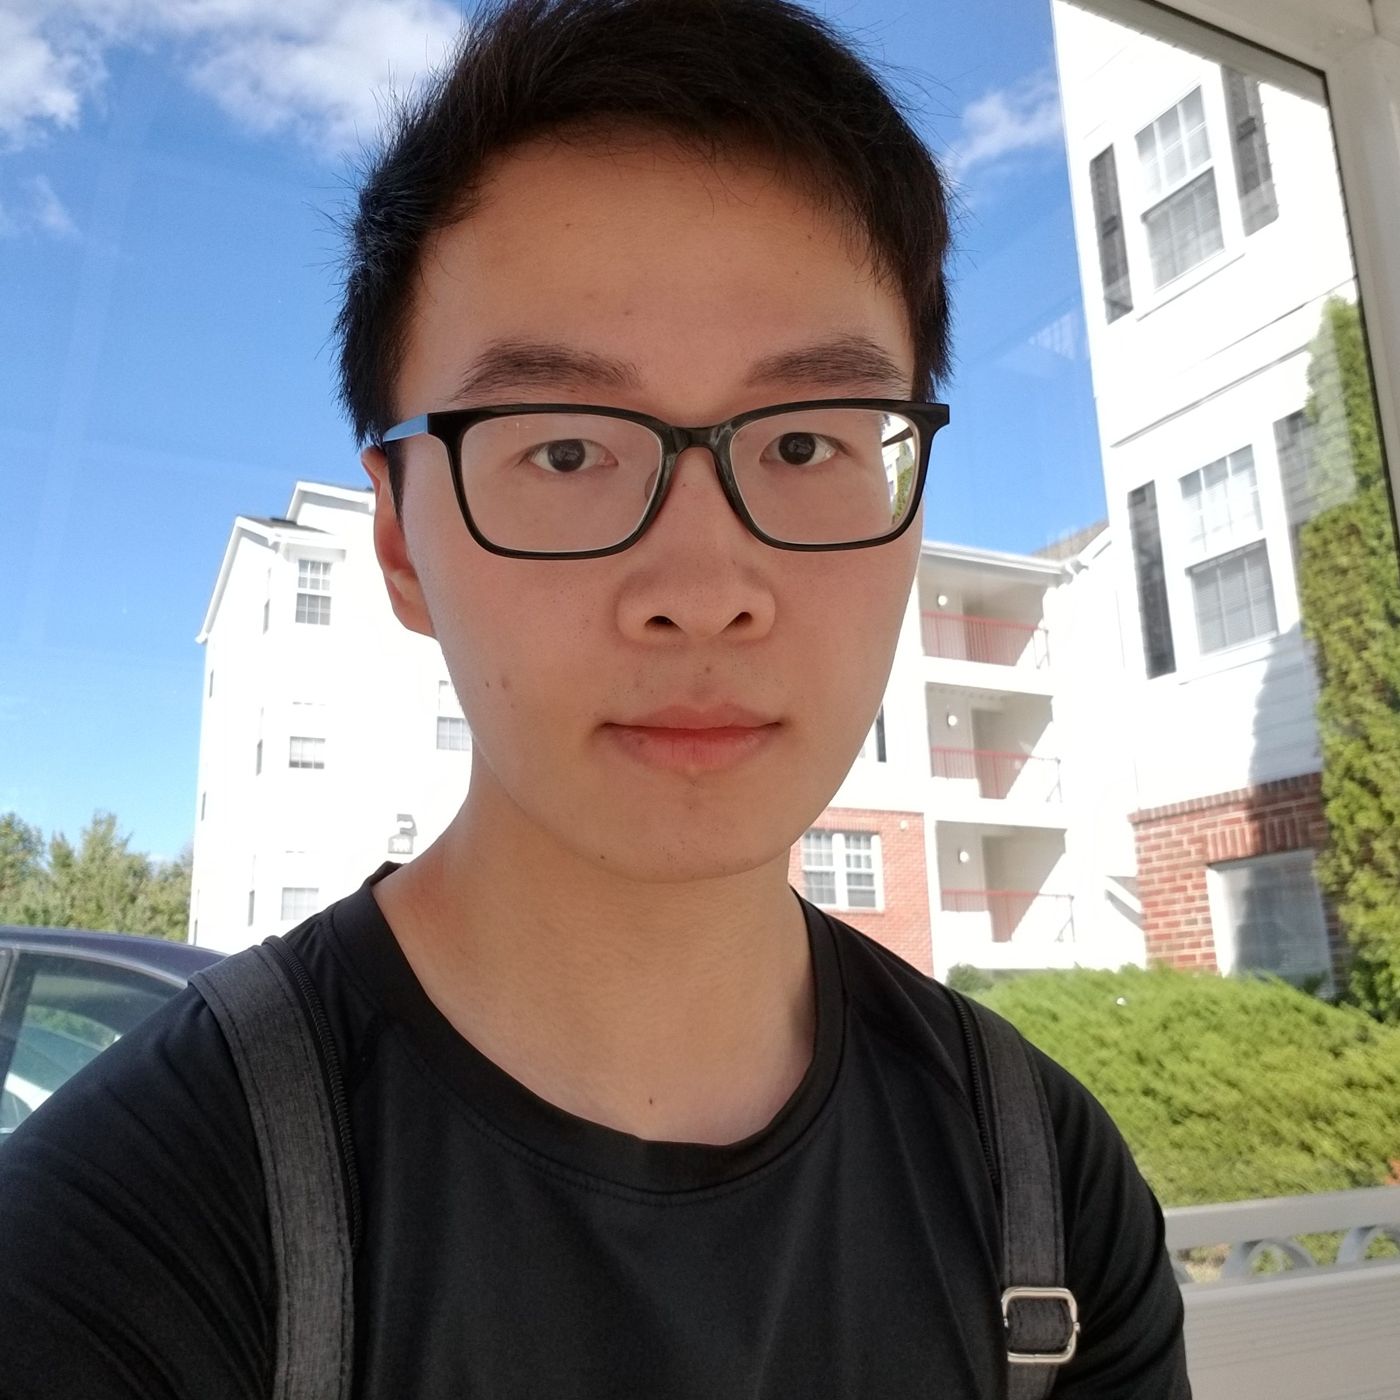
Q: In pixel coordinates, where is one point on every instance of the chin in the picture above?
(674, 852)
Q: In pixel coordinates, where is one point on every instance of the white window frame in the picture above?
(314, 591)
(453, 725)
(838, 850)
(447, 703)
(1137, 200)
(317, 754)
(1183, 558)
(305, 901)
(1153, 197)
(1237, 533)
(1222, 914)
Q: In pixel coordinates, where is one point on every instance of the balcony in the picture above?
(990, 641)
(988, 654)
(1001, 916)
(1000, 774)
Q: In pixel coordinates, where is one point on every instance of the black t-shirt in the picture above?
(511, 1249)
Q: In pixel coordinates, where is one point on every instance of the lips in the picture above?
(692, 718)
(694, 740)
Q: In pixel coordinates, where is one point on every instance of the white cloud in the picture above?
(316, 68)
(48, 210)
(1015, 120)
(38, 209)
(42, 82)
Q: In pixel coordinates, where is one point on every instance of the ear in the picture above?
(391, 549)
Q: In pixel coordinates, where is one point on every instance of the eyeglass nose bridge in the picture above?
(716, 438)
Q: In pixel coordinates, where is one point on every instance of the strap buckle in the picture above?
(1055, 1295)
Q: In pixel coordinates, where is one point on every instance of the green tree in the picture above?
(99, 884)
(1349, 590)
(21, 860)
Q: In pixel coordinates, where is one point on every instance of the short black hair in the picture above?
(763, 75)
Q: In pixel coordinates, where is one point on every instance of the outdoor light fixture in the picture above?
(952, 720)
(401, 842)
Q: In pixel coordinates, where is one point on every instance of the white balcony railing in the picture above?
(998, 773)
(993, 641)
(1029, 916)
(1314, 1330)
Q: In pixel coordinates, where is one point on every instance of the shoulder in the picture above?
(1116, 1260)
(131, 1205)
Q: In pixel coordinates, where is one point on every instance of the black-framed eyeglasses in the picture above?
(574, 481)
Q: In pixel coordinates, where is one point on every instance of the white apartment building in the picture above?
(984, 822)
(1029, 760)
(331, 739)
(1211, 232)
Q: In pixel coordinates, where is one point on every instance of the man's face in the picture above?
(690, 273)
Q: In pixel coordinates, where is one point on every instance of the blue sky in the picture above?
(168, 176)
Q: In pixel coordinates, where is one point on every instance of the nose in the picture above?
(698, 570)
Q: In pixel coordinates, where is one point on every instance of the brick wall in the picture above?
(903, 925)
(1177, 842)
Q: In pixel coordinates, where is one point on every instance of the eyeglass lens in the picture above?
(557, 482)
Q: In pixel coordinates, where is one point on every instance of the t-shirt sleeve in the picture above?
(1131, 1345)
(134, 1259)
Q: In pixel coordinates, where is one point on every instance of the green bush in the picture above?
(1225, 1088)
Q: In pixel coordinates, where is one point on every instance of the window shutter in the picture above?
(1158, 652)
(1254, 174)
(1113, 247)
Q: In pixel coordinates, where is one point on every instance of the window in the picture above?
(1233, 590)
(257, 759)
(1183, 222)
(1254, 174)
(307, 753)
(1158, 651)
(1222, 503)
(840, 869)
(203, 799)
(1234, 598)
(313, 591)
(448, 704)
(299, 902)
(874, 745)
(860, 870)
(452, 734)
(250, 908)
(1269, 917)
(1113, 247)
(267, 612)
(60, 1013)
(211, 685)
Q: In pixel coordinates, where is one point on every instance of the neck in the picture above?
(680, 1011)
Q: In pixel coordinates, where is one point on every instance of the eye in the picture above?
(566, 456)
(800, 449)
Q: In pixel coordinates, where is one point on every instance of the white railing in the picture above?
(1313, 1330)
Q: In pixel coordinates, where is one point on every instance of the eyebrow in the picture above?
(842, 363)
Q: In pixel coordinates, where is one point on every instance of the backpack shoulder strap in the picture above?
(1038, 1311)
(273, 1021)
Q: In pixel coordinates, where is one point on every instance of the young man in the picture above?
(631, 1117)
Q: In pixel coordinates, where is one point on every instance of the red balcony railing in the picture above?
(959, 637)
(997, 773)
(1048, 916)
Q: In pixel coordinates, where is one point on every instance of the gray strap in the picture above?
(1033, 1242)
(266, 1025)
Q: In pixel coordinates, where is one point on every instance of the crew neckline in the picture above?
(502, 1103)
